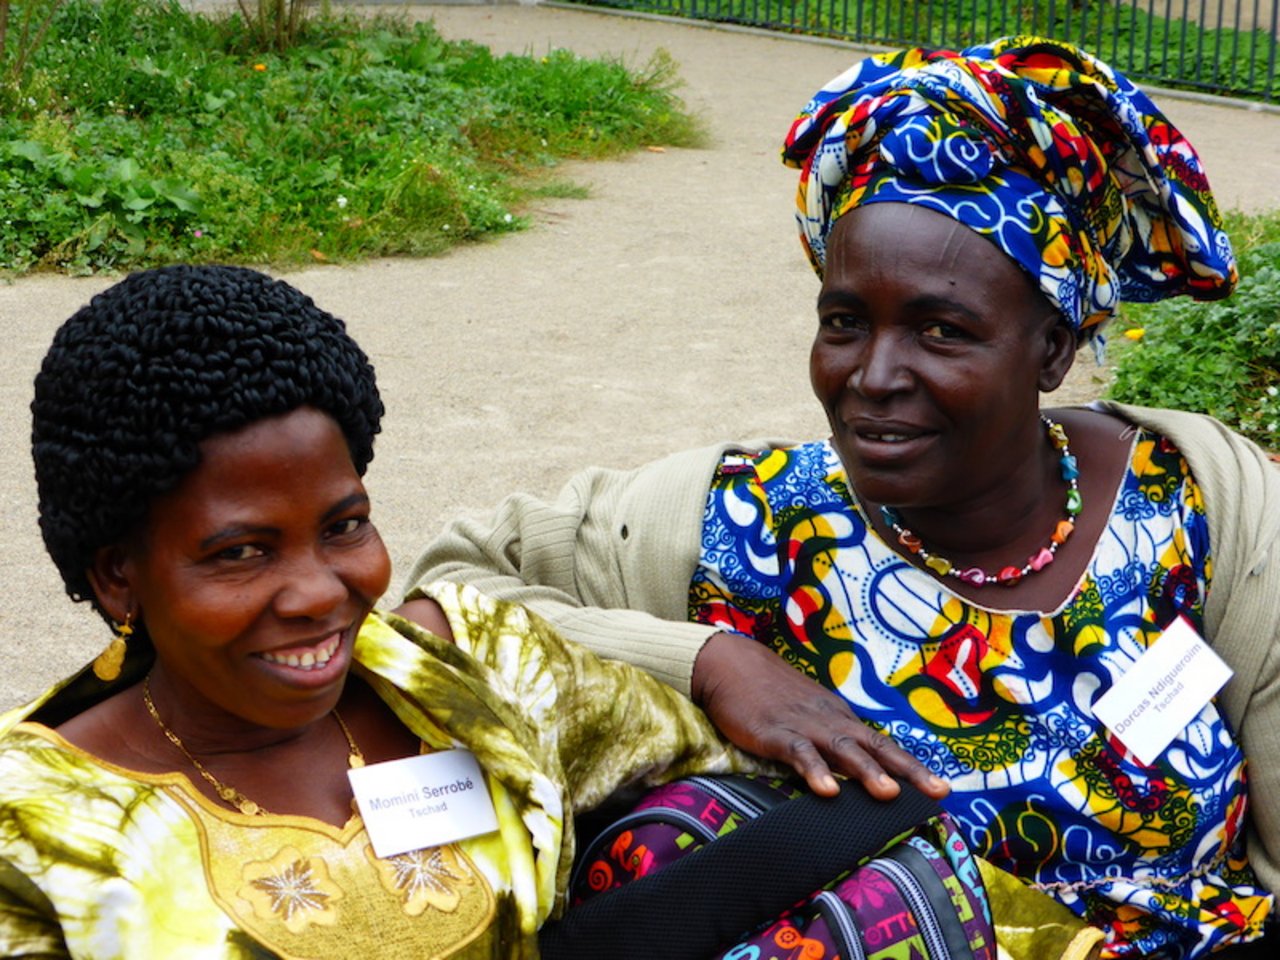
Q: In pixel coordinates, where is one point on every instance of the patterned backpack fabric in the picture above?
(919, 896)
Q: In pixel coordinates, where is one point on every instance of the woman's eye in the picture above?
(841, 321)
(241, 551)
(347, 527)
(940, 330)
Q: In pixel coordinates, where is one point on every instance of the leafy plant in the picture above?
(1220, 358)
(147, 134)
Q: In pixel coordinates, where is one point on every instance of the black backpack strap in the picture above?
(709, 900)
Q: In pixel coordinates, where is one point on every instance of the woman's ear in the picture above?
(1060, 353)
(109, 576)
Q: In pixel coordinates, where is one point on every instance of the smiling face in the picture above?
(253, 575)
(931, 350)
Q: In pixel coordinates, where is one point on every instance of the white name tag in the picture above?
(423, 801)
(1163, 691)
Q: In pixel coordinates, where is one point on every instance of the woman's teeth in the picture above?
(308, 659)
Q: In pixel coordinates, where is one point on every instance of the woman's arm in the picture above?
(607, 723)
(569, 560)
(608, 564)
(774, 713)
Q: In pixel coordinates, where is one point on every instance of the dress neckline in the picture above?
(836, 467)
(179, 782)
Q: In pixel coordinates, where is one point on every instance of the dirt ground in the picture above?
(671, 308)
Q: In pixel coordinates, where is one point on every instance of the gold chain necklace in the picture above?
(228, 793)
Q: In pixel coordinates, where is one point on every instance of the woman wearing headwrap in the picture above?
(969, 574)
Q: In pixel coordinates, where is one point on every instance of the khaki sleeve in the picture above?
(564, 560)
(1259, 733)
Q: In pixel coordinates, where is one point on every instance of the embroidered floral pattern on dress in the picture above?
(293, 889)
(432, 877)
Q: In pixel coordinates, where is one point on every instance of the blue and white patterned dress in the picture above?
(999, 702)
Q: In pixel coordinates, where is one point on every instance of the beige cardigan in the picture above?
(610, 560)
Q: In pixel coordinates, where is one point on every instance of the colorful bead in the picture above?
(1009, 576)
(1041, 559)
(939, 565)
(1074, 503)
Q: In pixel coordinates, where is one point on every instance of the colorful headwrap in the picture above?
(1058, 159)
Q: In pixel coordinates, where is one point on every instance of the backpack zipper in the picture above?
(731, 798)
(926, 920)
(841, 924)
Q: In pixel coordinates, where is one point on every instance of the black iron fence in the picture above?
(1215, 46)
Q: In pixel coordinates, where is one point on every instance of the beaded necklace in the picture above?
(228, 793)
(1009, 576)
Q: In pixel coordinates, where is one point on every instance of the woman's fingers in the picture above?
(875, 760)
(769, 709)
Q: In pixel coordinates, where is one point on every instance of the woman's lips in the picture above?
(883, 443)
(305, 658)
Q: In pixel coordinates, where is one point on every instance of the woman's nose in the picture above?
(311, 587)
(879, 368)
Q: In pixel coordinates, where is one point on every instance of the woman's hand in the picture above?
(769, 709)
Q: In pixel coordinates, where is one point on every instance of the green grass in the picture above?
(1220, 358)
(141, 134)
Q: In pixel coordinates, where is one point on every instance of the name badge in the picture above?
(423, 801)
(1163, 691)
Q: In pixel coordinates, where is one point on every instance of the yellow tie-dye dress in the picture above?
(98, 861)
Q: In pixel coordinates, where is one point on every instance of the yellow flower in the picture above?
(260, 67)
(1135, 333)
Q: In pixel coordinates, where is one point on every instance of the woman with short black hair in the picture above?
(200, 437)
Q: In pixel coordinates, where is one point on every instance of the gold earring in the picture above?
(107, 666)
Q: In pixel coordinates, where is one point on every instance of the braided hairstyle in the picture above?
(160, 362)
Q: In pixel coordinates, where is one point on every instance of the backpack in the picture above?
(755, 868)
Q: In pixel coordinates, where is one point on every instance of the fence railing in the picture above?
(1216, 46)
